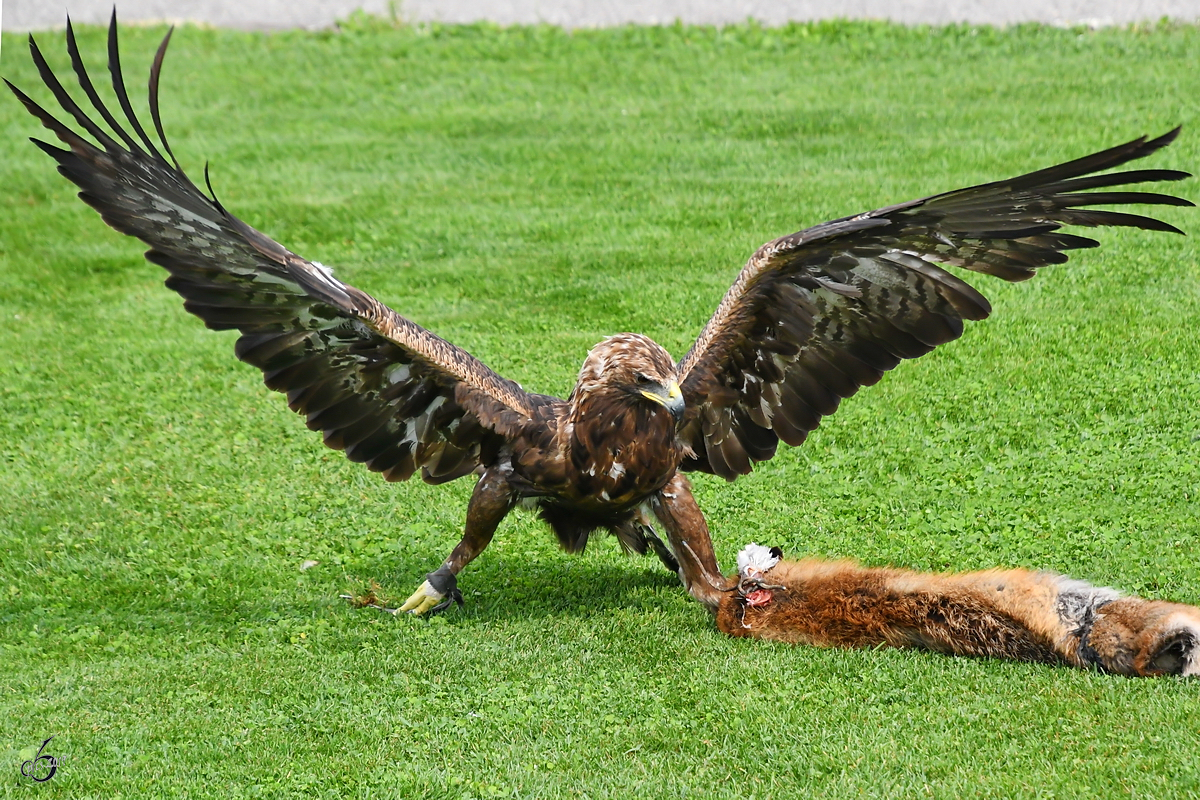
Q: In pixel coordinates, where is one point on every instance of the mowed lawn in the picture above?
(525, 192)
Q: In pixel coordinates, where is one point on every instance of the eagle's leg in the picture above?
(491, 501)
(636, 533)
(662, 551)
(687, 532)
(646, 529)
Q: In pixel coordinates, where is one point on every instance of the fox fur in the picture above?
(1015, 614)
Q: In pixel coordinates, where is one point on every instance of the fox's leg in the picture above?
(491, 501)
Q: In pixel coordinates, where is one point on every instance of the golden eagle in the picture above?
(812, 317)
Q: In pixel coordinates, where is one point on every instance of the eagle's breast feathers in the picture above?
(619, 439)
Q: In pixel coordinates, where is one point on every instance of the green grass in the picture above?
(525, 192)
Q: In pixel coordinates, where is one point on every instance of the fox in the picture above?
(1017, 614)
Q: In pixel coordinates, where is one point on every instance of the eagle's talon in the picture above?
(424, 599)
(439, 590)
(453, 597)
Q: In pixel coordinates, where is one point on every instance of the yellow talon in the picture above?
(423, 599)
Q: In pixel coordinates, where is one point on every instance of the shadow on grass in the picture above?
(568, 586)
(98, 599)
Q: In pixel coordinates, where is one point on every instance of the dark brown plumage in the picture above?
(811, 318)
(818, 314)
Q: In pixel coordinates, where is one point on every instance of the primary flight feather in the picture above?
(812, 317)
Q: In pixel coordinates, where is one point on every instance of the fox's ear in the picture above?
(776, 552)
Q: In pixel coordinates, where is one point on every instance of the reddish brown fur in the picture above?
(1014, 614)
(1148, 637)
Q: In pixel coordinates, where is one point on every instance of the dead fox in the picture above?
(1016, 614)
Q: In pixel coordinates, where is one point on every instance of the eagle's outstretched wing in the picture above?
(817, 314)
(381, 388)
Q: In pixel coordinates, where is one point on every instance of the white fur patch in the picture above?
(754, 560)
(1078, 601)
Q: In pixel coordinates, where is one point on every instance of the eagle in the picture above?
(812, 317)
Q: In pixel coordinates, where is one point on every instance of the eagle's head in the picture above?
(633, 366)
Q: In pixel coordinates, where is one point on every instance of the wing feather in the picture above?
(385, 390)
(815, 315)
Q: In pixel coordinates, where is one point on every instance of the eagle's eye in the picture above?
(642, 379)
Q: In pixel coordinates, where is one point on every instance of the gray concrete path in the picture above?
(24, 15)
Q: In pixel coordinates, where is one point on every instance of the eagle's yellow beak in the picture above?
(669, 397)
